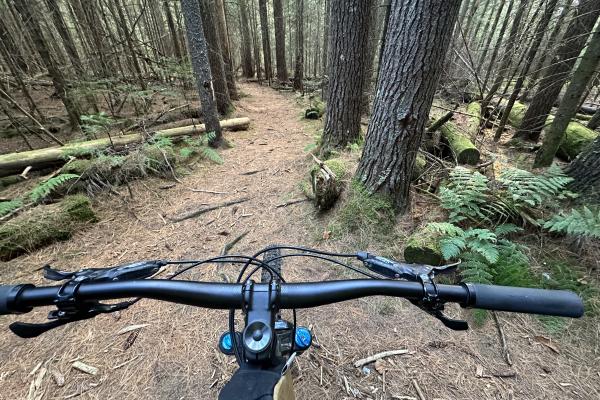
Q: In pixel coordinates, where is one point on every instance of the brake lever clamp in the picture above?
(431, 303)
(70, 309)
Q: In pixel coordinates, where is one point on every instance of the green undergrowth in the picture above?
(367, 217)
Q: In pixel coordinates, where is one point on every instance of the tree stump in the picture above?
(327, 185)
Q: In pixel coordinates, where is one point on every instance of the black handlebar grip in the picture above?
(561, 303)
(5, 291)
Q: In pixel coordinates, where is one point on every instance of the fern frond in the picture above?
(44, 189)
(6, 207)
(212, 155)
(584, 222)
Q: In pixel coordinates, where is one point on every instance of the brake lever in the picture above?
(69, 309)
(425, 274)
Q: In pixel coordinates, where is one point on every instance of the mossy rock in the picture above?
(423, 248)
(315, 111)
(577, 137)
(43, 225)
(517, 113)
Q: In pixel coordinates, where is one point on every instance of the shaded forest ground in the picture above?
(175, 355)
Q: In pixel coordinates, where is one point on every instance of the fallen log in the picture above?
(460, 144)
(576, 136)
(473, 118)
(43, 225)
(13, 162)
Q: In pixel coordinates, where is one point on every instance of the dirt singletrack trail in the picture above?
(174, 355)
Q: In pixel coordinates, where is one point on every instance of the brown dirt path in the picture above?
(175, 355)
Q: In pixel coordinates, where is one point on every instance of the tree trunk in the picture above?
(498, 44)
(254, 25)
(215, 56)
(201, 67)
(246, 48)
(530, 56)
(299, 68)
(510, 49)
(25, 9)
(173, 32)
(555, 77)
(595, 121)
(570, 102)
(266, 39)
(348, 37)
(326, 37)
(418, 36)
(490, 36)
(9, 42)
(282, 74)
(225, 49)
(132, 53)
(69, 44)
(372, 41)
(585, 170)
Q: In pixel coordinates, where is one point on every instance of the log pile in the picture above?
(15, 162)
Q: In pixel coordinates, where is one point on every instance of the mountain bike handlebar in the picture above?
(22, 298)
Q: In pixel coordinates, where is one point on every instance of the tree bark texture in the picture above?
(326, 37)
(215, 57)
(595, 121)
(557, 74)
(348, 37)
(282, 73)
(61, 27)
(488, 38)
(25, 9)
(225, 49)
(570, 102)
(299, 68)
(585, 170)
(201, 66)
(246, 49)
(417, 38)
(174, 39)
(266, 40)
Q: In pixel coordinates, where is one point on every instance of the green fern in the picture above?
(200, 146)
(161, 142)
(6, 207)
(212, 155)
(584, 222)
(44, 189)
(464, 195)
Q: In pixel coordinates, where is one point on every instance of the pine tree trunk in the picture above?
(585, 170)
(132, 53)
(417, 38)
(509, 52)
(255, 42)
(215, 57)
(490, 35)
(299, 68)
(69, 44)
(570, 102)
(173, 32)
(201, 67)
(225, 49)
(25, 9)
(372, 41)
(595, 121)
(497, 46)
(348, 37)
(282, 74)
(529, 58)
(9, 42)
(555, 77)
(247, 64)
(326, 37)
(266, 40)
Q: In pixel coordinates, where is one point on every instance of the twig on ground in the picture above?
(207, 191)
(229, 246)
(207, 209)
(418, 389)
(25, 172)
(485, 164)
(288, 203)
(378, 356)
(256, 171)
(505, 351)
(126, 362)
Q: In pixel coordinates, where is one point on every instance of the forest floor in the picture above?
(174, 355)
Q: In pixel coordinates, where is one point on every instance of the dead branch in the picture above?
(207, 209)
(229, 246)
(505, 351)
(289, 203)
(439, 122)
(418, 389)
(378, 356)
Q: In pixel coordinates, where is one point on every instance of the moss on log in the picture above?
(16, 162)
(474, 118)
(43, 225)
(423, 247)
(420, 165)
(576, 137)
(10, 180)
(461, 145)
